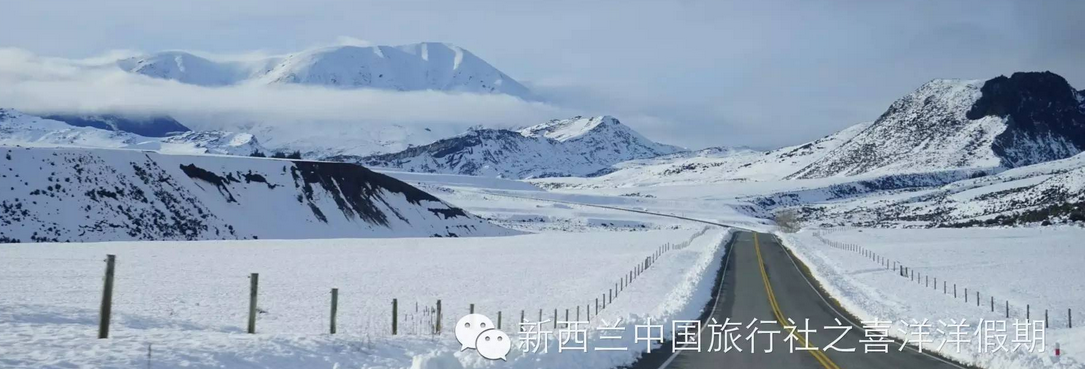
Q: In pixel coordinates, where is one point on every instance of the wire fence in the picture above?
(1052, 317)
(80, 284)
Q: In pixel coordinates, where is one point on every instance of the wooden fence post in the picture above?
(395, 316)
(254, 282)
(438, 316)
(335, 307)
(498, 320)
(472, 308)
(106, 309)
(1069, 318)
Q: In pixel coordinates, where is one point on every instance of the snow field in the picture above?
(188, 300)
(1033, 266)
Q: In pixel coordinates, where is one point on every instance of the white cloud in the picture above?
(352, 41)
(52, 85)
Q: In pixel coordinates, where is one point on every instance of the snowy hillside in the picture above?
(568, 147)
(17, 128)
(1046, 193)
(187, 68)
(963, 127)
(711, 165)
(1025, 119)
(414, 67)
(97, 195)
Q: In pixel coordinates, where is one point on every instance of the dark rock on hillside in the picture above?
(1039, 107)
(354, 189)
(453, 152)
(81, 195)
(155, 126)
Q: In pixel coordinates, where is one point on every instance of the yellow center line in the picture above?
(818, 355)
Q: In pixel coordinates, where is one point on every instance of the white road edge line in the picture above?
(719, 292)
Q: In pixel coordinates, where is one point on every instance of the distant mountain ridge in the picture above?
(713, 165)
(414, 67)
(18, 128)
(579, 146)
(1005, 122)
(946, 125)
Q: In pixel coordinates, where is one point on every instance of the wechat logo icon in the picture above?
(476, 331)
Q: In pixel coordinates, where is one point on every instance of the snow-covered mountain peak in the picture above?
(184, 67)
(949, 93)
(413, 67)
(423, 66)
(601, 133)
(947, 124)
(567, 147)
(566, 129)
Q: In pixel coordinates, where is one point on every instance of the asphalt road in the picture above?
(761, 281)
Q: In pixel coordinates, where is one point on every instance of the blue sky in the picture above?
(694, 73)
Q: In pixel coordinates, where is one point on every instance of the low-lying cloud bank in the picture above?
(37, 84)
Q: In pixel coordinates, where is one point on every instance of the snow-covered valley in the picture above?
(532, 217)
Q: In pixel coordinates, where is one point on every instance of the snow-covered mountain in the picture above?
(414, 67)
(956, 126)
(77, 194)
(17, 128)
(579, 146)
(187, 68)
(1005, 122)
(712, 165)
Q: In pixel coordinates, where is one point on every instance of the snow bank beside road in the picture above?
(1035, 266)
